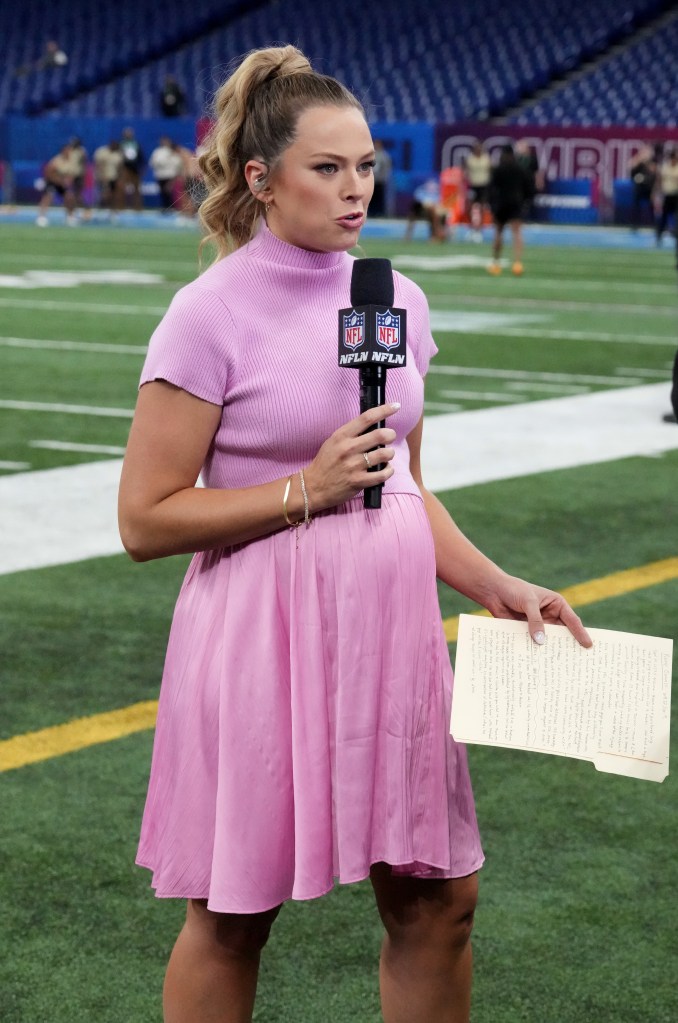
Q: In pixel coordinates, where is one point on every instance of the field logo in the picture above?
(354, 329)
(388, 330)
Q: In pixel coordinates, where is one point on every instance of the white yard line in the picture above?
(545, 305)
(527, 333)
(95, 308)
(75, 410)
(441, 406)
(71, 346)
(87, 449)
(540, 436)
(58, 516)
(183, 265)
(535, 375)
(545, 388)
(496, 396)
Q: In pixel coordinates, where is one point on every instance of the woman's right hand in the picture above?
(340, 470)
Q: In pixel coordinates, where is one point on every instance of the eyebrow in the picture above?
(335, 156)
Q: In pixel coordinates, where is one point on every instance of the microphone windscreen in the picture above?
(372, 282)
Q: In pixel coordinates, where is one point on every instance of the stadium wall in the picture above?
(586, 169)
(27, 143)
(576, 162)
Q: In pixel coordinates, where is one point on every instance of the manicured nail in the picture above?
(539, 638)
(395, 404)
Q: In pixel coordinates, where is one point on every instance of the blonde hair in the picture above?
(255, 118)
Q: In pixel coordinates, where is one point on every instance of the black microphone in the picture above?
(372, 336)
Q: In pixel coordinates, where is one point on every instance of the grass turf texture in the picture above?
(575, 923)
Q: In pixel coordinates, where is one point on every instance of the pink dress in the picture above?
(303, 727)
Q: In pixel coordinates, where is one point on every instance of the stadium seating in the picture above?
(638, 86)
(438, 62)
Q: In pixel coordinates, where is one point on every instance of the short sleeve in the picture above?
(419, 338)
(192, 346)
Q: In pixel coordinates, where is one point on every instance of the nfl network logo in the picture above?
(388, 330)
(354, 329)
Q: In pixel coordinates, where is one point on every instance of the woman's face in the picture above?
(322, 185)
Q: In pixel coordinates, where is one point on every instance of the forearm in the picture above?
(197, 519)
(459, 563)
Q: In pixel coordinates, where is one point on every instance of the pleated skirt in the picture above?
(303, 725)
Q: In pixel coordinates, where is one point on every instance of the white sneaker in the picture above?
(42, 221)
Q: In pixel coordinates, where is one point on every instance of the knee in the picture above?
(233, 934)
(440, 915)
(454, 923)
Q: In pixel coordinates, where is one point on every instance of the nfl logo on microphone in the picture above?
(354, 329)
(388, 330)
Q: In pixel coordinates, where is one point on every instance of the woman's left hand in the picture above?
(523, 601)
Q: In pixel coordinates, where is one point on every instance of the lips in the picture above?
(352, 220)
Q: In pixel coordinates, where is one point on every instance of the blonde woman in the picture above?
(303, 726)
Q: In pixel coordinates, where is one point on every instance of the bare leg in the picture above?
(497, 242)
(517, 231)
(213, 970)
(43, 206)
(426, 959)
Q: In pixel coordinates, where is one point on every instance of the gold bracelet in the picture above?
(307, 517)
(288, 520)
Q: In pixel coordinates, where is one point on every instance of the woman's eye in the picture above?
(326, 168)
(367, 166)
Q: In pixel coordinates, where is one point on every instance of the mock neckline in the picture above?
(266, 245)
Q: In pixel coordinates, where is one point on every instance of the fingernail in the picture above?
(395, 404)
(539, 638)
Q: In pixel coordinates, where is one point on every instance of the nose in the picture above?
(356, 185)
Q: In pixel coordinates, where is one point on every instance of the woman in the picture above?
(303, 723)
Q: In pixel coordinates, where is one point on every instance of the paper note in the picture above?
(609, 704)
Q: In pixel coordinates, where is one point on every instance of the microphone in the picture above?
(372, 337)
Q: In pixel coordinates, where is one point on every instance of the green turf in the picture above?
(575, 923)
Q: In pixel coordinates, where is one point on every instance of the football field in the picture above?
(545, 441)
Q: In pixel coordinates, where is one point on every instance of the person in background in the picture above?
(192, 182)
(300, 737)
(477, 170)
(672, 417)
(53, 57)
(172, 98)
(508, 192)
(426, 205)
(527, 160)
(59, 176)
(643, 171)
(79, 157)
(132, 170)
(667, 180)
(107, 168)
(167, 166)
(383, 166)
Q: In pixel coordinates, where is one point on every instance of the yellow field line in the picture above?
(74, 735)
(33, 747)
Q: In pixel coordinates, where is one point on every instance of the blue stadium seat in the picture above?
(405, 61)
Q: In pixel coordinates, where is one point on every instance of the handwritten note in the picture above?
(609, 704)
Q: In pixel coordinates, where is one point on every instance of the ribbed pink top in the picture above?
(257, 333)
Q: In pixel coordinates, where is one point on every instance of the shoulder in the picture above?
(202, 297)
(408, 293)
